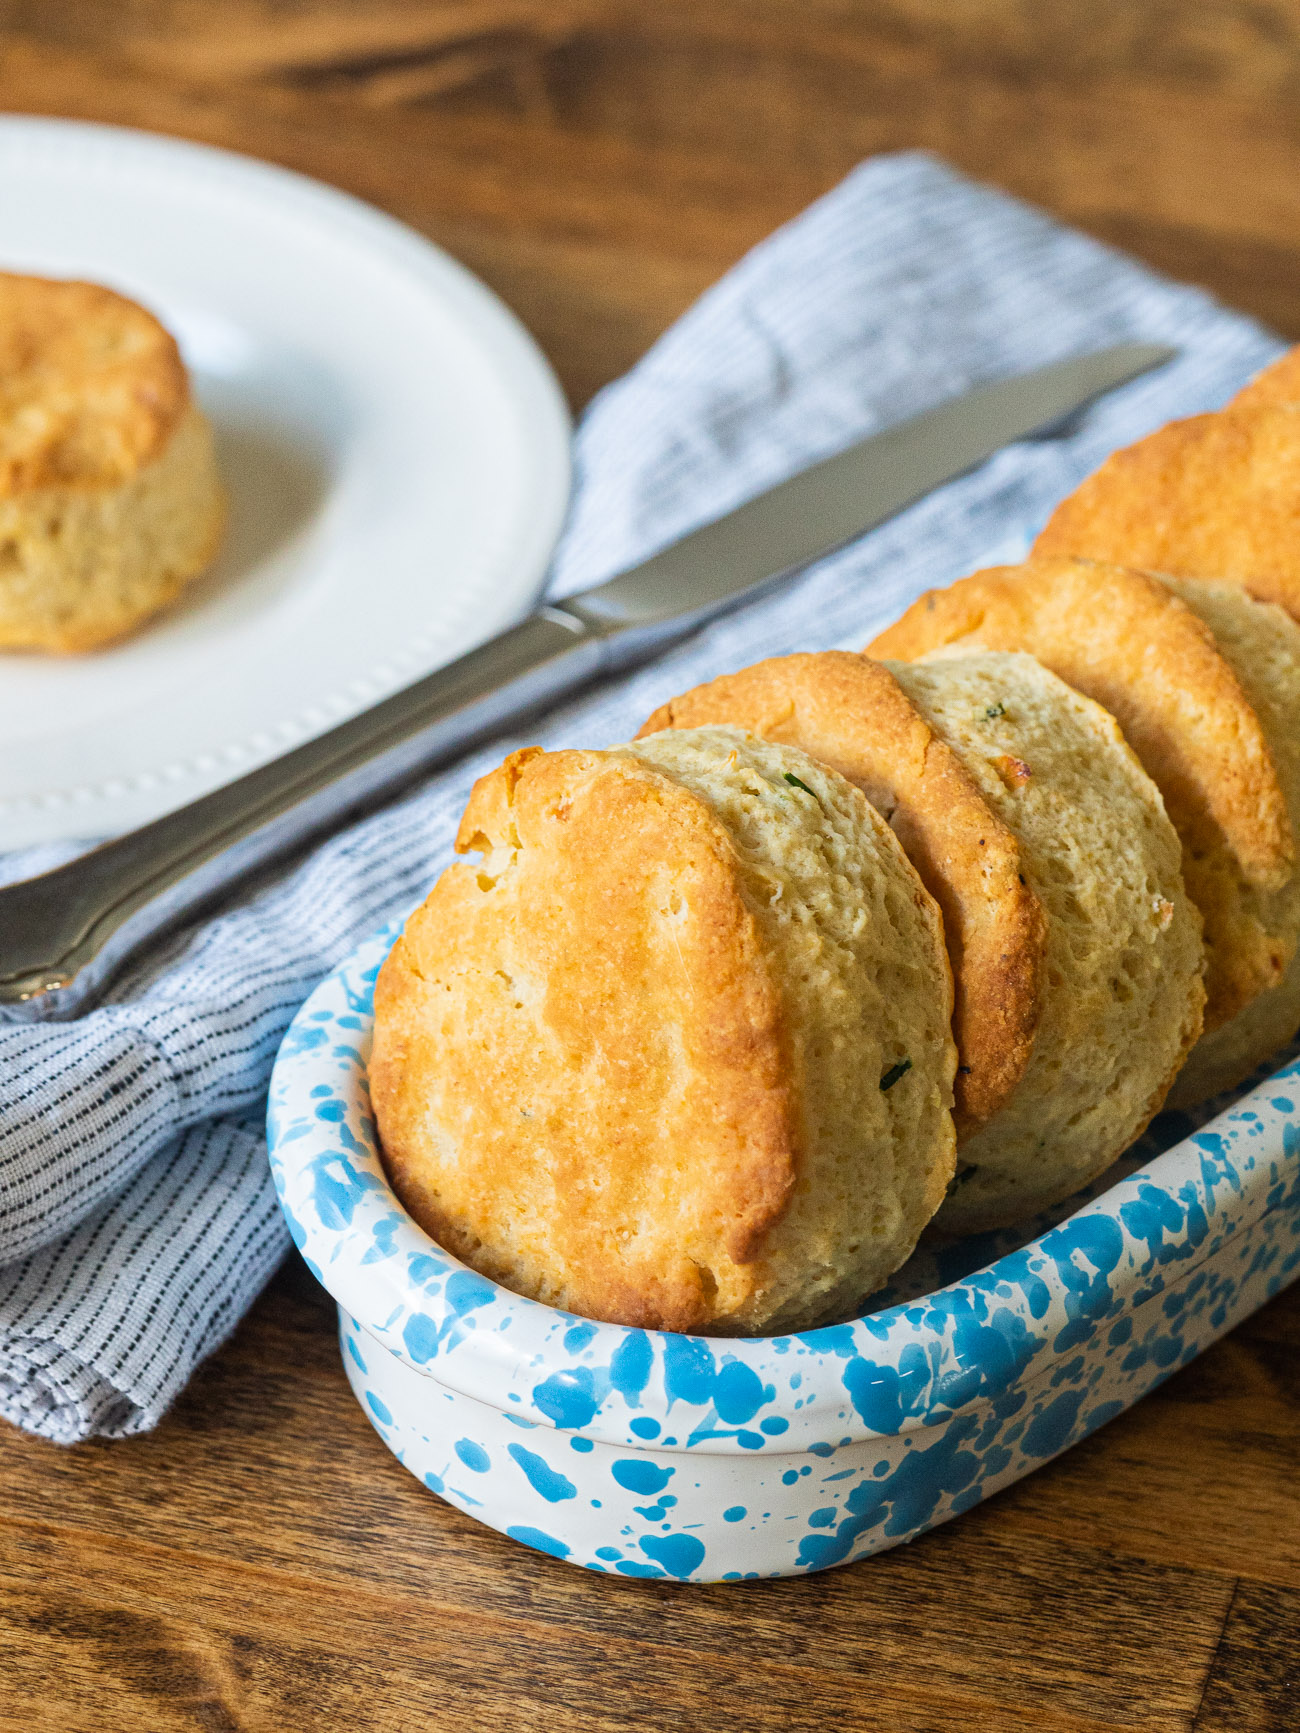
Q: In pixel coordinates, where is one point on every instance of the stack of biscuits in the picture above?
(843, 946)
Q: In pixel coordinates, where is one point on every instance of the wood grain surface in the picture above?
(261, 1562)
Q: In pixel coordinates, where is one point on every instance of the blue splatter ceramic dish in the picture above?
(652, 1455)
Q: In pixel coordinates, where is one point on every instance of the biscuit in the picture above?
(109, 497)
(1124, 639)
(1262, 644)
(1121, 994)
(676, 1052)
(1277, 384)
(851, 714)
(1216, 496)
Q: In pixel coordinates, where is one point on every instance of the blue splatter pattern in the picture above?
(652, 1455)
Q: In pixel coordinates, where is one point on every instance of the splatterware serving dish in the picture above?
(656, 1455)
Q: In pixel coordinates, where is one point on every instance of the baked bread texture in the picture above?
(109, 496)
(1215, 496)
(1131, 643)
(851, 714)
(1262, 645)
(1277, 384)
(1121, 994)
(676, 1052)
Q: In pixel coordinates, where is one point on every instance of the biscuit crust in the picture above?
(631, 1063)
(491, 1001)
(851, 714)
(1215, 496)
(1124, 639)
(1263, 645)
(92, 387)
(1278, 384)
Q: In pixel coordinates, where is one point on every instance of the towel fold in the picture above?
(137, 1217)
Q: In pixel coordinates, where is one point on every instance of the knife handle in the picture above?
(63, 933)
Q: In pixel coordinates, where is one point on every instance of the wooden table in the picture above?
(261, 1562)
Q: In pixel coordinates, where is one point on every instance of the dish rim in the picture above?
(905, 1368)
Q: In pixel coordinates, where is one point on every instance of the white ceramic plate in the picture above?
(394, 445)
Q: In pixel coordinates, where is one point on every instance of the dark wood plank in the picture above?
(266, 1503)
(1254, 1684)
(239, 1643)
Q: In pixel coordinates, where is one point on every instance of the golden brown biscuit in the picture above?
(851, 714)
(676, 1052)
(1216, 496)
(1262, 645)
(1277, 384)
(1121, 982)
(109, 498)
(1125, 640)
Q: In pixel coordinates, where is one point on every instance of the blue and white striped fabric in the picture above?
(137, 1220)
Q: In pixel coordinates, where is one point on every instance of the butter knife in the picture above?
(63, 933)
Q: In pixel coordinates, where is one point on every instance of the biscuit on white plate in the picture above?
(109, 497)
(1121, 986)
(850, 713)
(676, 1051)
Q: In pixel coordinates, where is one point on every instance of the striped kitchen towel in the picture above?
(137, 1219)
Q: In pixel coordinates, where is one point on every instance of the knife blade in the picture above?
(64, 933)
